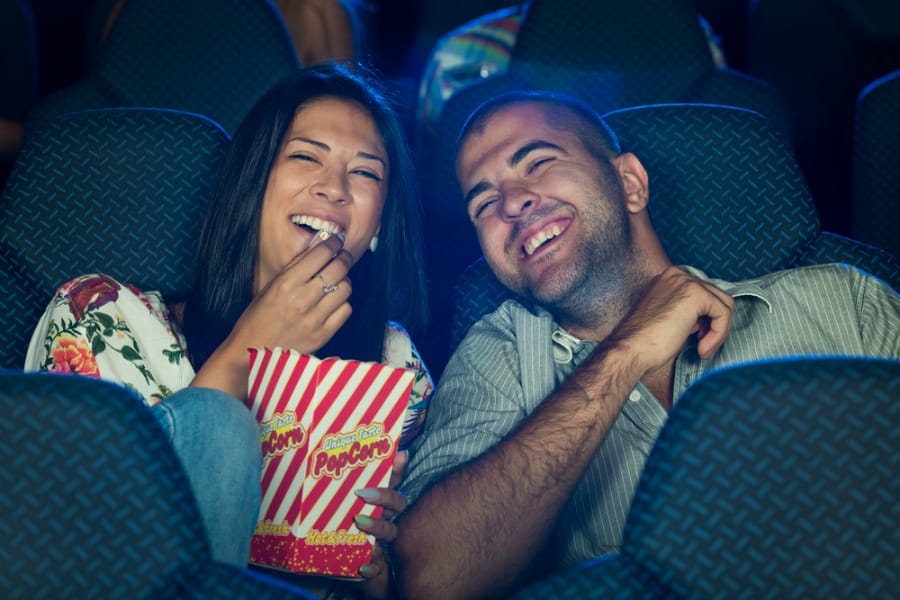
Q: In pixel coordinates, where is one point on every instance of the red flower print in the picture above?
(73, 355)
(92, 292)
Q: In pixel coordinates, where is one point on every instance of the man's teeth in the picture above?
(535, 241)
(317, 224)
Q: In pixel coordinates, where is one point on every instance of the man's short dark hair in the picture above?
(563, 112)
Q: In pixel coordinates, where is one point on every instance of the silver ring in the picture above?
(325, 287)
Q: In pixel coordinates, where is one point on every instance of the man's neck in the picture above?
(600, 309)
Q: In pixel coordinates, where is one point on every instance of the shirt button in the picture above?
(634, 396)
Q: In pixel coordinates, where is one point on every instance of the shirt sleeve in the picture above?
(479, 400)
(399, 351)
(98, 327)
(879, 316)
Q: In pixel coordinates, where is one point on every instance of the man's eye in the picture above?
(482, 207)
(533, 166)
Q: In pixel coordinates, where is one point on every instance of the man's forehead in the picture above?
(529, 110)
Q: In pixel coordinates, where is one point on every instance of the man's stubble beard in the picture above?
(600, 285)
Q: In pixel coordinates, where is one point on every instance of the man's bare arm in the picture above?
(476, 532)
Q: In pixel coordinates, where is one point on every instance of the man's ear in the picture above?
(635, 181)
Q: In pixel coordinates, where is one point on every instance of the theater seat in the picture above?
(726, 196)
(95, 504)
(774, 479)
(117, 191)
(876, 171)
(210, 57)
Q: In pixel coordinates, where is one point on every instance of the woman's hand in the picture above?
(301, 308)
(377, 573)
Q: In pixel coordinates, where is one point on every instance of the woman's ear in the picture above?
(635, 181)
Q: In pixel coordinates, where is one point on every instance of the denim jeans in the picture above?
(217, 440)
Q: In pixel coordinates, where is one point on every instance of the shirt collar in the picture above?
(566, 345)
(735, 290)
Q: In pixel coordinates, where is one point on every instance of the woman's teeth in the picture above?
(318, 224)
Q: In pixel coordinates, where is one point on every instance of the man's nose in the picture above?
(518, 200)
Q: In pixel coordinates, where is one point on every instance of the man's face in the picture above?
(548, 215)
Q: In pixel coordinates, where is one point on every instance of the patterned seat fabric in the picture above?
(117, 191)
(876, 176)
(775, 479)
(214, 58)
(725, 196)
(94, 501)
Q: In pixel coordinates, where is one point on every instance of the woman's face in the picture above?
(331, 175)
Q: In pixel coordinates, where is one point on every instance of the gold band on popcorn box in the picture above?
(327, 427)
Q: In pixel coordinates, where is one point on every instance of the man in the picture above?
(546, 412)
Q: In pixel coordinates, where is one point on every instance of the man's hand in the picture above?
(673, 307)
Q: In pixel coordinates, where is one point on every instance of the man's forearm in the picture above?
(476, 532)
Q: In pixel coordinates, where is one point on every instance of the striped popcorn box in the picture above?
(328, 427)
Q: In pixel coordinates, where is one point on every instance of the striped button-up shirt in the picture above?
(513, 358)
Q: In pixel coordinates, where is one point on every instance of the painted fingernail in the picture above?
(319, 237)
(367, 571)
(364, 521)
(368, 494)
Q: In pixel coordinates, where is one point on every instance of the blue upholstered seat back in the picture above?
(214, 58)
(876, 168)
(776, 479)
(89, 485)
(118, 191)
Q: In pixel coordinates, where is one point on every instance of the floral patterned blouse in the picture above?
(99, 327)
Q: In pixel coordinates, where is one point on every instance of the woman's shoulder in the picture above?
(95, 290)
(399, 348)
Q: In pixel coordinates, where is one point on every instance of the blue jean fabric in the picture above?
(217, 440)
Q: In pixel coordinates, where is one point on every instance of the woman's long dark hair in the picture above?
(387, 285)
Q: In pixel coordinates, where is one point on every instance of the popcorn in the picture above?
(327, 427)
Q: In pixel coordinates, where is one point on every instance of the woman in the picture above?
(317, 181)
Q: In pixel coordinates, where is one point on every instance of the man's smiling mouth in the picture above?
(543, 236)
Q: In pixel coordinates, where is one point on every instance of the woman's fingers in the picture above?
(399, 468)
(392, 501)
(382, 529)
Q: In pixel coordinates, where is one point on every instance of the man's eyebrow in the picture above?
(517, 157)
(326, 147)
(522, 152)
(476, 189)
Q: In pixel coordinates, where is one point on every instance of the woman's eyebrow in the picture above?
(372, 157)
(300, 138)
(326, 147)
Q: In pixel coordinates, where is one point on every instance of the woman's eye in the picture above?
(302, 156)
(369, 174)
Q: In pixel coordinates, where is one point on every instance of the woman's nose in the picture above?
(332, 186)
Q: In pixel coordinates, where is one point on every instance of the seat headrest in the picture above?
(215, 58)
(725, 193)
(118, 191)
